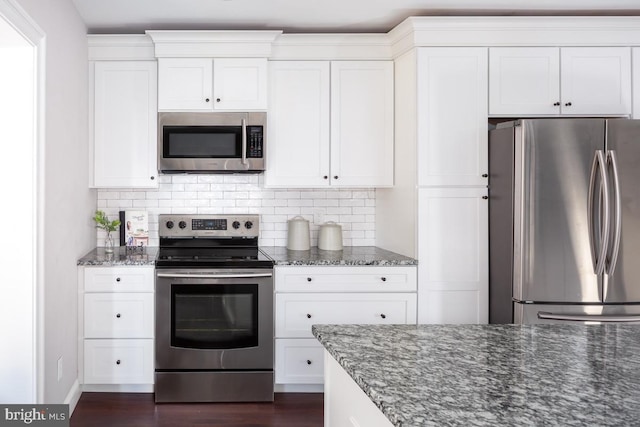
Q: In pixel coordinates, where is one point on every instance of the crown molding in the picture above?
(515, 31)
(209, 44)
(120, 47)
(332, 47)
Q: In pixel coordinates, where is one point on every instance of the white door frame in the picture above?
(13, 13)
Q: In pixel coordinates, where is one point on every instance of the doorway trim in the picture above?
(17, 17)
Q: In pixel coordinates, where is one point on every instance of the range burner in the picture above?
(215, 241)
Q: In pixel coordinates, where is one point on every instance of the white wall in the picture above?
(68, 229)
(354, 209)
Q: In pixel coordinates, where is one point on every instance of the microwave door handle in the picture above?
(244, 142)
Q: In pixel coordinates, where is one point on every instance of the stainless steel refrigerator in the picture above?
(564, 221)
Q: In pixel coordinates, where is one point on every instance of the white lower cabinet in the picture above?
(333, 295)
(299, 361)
(345, 404)
(298, 312)
(121, 361)
(117, 323)
(453, 247)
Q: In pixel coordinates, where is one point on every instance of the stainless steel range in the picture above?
(214, 311)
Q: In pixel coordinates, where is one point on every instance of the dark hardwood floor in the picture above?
(139, 409)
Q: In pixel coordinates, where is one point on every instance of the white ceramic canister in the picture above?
(330, 236)
(298, 235)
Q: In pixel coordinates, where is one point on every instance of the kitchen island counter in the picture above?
(487, 375)
(350, 255)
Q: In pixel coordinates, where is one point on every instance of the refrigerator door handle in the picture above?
(612, 159)
(598, 255)
(589, 317)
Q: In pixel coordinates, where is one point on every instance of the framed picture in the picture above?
(134, 228)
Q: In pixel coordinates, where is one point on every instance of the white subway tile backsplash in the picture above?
(197, 187)
(354, 209)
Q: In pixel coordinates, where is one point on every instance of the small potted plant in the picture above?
(102, 221)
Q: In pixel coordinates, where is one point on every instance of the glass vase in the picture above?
(108, 244)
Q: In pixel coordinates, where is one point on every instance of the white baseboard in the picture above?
(73, 396)
(299, 388)
(118, 388)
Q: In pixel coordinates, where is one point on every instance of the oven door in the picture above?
(218, 319)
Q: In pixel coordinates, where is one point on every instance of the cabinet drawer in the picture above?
(345, 279)
(295, 313)
(119, 279)
(118, 315)
(299, 361)
(118, 361)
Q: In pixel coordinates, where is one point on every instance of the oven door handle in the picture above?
(213, 276)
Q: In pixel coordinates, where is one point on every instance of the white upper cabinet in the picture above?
(124, 124)
(560, 81)
(596, 80)
(524, 80)
(362, 123)
(452, 116)
(203, 84)
(330, 124)
(298, 140)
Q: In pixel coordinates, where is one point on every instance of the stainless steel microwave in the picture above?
(211, 142)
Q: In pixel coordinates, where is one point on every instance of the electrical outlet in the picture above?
(60, 368)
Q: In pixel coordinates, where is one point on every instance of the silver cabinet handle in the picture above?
(244, 142)
(612, 159)
(598, 255)
(212, 276)
(589, 317)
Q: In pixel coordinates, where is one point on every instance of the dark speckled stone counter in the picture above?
(350, 255)
(120, 256)
(494, 375)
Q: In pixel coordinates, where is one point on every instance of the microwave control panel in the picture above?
(254, 141)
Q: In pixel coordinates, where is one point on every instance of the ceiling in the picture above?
(314, 16)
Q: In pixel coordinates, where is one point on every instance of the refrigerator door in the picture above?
(576, 314)
(552, 252)
(622, 281)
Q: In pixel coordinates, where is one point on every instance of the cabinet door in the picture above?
(185, 84)
(452, 116)
(345, 279)
(119, 279)
(118, 361)
(296, 313)
(118, 315)
(524, 80)
(596, 80)
(299, 361)
(240, 84)
(362, 123)
(453, 253)
(125, 124)
(298, 128)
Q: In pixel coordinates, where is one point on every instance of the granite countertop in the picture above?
(350, 255)
(120, 256)
(490, 375)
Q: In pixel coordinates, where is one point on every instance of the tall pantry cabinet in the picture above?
(439, 205)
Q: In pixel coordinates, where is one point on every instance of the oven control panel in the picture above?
(184, 226)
